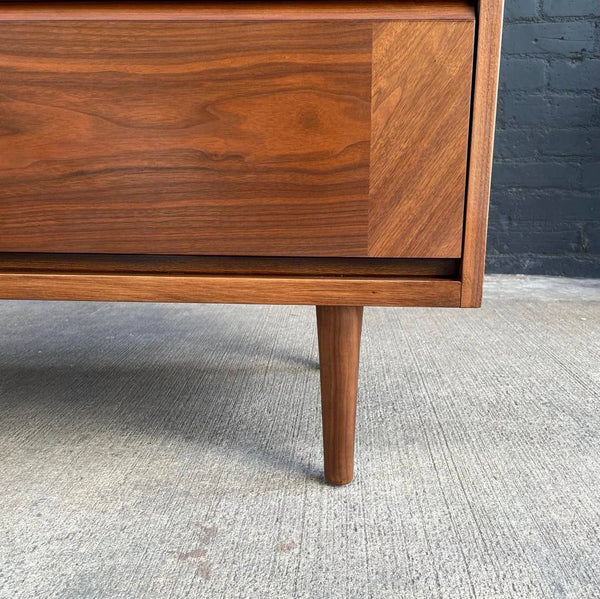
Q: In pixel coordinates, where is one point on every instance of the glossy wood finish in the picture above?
(237, 137)
(361, 291)
(339, 329)
(375, 10)
(220, 265)
(482, 148)
(421, 93)
(185, 138)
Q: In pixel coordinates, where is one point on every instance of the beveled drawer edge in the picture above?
(457, 10)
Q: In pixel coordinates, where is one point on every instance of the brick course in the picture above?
(545, 211)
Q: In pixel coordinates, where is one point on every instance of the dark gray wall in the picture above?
(545, 207)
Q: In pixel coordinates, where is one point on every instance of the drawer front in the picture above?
(322, 138)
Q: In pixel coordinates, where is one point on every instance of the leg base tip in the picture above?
(338, 481)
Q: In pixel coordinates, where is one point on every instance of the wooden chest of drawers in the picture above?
(327, 153)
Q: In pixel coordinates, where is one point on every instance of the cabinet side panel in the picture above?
(420, 108)
(489, 34)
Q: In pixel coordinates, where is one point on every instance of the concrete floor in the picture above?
(170, 451)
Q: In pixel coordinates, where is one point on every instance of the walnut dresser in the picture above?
(328, 153)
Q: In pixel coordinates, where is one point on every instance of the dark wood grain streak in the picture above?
(420, 123)
(220, 11)
(224, 138)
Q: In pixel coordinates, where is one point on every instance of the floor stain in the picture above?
(286, 546)
(205, 570)
(207, 535)
(194, 554)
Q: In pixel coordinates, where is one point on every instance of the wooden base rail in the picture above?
(353, 291)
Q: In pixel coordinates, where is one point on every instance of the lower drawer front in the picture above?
(329, 138)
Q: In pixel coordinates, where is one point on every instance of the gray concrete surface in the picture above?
(173, 451)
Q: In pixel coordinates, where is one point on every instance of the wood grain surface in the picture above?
(187, 138)
(420, 128)
(355, 291)
(339, 329)
(481, 151)
(276, 137)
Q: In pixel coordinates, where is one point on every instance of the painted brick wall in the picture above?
(545, 210)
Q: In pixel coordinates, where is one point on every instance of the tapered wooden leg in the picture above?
(339, 346)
